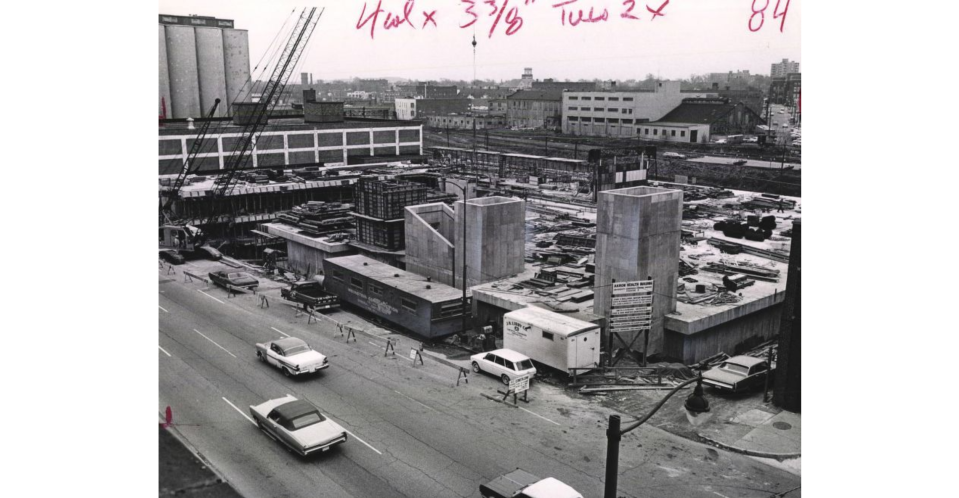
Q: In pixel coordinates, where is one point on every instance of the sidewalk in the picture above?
(183, 474)
(776, 438)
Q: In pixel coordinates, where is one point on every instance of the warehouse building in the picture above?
(409, 109)
(616, 113)
(407, 301)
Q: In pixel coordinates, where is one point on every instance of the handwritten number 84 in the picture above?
(761, 12)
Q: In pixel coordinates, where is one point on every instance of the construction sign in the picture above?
(632, 306)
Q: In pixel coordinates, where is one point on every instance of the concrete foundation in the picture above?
(638, 237)
(429, 252)
(495, 239)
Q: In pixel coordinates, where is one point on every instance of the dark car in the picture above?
(737, 374)
(172, 256)
(234, 279)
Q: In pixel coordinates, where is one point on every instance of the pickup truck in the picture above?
(522, 484)
(311, 294)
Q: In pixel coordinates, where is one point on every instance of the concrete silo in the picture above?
(164, 98)
(211, 69)
(182, 64)
(236, 50)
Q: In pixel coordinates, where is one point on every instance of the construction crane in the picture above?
(241, 153)
(195, 148)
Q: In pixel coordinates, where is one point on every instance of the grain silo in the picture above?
(237, 57)
(184, 82)
(163, 104)
(211, 69)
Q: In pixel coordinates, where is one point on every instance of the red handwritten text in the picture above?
(574, 21)
(658, 12)
(761, 12)
(392, 20)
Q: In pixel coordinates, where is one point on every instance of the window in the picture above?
(587, 98)
(409, 305)
(509, 365)
(655, 131)
(573, 118)
(337, 276)
(627, 121)
(627, 99)
(585, 108)
(682, 133)
(630, 111)
(499, 361)
(646, 131)
(614, 99)
(574, 98)
(490, 358)
(524, 365)
(547, 335)
(614, 120)
(599, 120)
(600, 98)
(598, 109)
(355, 282)
(571, 108)
(376, 290)
(613, 109)
(672, 133)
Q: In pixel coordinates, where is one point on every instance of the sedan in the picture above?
(739, 373)
(234, 279)
(503, 363)
(291, 355)
(172, 256)
(298, 425)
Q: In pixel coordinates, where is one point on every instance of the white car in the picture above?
(720, 141)
(291, 355)
(503, 363)
(676, 155)
(298, 425)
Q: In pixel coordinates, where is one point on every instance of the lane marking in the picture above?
(161, 349)
(280, 331)
(355, 436)
(241, 411)
(214, 342)
(375, 344)
(209, 296)
(162, 308)
(411, 399)
(540, 416)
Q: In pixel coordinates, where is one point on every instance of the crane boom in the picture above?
(190, 160)
(285, 66)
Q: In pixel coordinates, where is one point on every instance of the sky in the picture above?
(692, 37)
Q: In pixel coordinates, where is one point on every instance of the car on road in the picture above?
(751, 140)
(674, 155)
(503, 363)
(737, 374)
(720, 141)
(298, 425)
(234, 279)
(172, 256)
(522, 484)
(739, 162)
(291, 355)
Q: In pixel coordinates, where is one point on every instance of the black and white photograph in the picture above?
(407, 250)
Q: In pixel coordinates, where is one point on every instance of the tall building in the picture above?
(526, 82)
(201, 59)
(535, 108)
(783, 68)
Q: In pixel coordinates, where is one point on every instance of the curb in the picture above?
(444, 361)
(762, 454)
(193, 449)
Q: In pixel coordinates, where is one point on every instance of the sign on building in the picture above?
(632, 306)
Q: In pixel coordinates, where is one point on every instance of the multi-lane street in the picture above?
(412, 431)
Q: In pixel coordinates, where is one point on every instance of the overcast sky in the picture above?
(694, 37)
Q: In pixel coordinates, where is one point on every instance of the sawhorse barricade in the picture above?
(389, 348)
(264, 302)
(349, 331)
(416, 355)
(464, 374)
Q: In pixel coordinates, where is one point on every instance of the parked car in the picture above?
(675, 155)
(503, 363)
(209, 253)
(291, 355)
(172, 256)
(311, 294)
(520, 483)
(234, 279)
(298, 425)
(739, 373)
(720, 141)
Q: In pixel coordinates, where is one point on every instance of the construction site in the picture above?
(377, 209)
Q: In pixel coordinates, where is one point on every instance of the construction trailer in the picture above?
(553, 339)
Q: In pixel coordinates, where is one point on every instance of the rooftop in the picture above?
(701, 111)
(391, 276)
(556, 95)
(225, 125)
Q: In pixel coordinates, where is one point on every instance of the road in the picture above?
(413, 432)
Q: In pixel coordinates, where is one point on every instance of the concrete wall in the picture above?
(164, 72)
(236, 58)
(788, 390)
(495, 239)
(730, 337)
(211, 69)
(638, 236)
(429, 251)
(184, 86)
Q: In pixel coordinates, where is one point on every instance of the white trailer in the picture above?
(553, 339)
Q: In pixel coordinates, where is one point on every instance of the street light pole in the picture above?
(696, 405)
